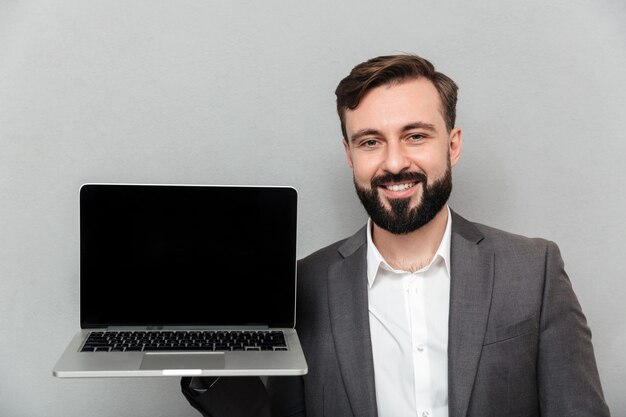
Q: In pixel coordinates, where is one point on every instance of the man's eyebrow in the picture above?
(420, 125)
(363, 132)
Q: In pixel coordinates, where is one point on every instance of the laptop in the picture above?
(186, 280)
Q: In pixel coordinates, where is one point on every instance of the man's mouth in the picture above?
(399, 187)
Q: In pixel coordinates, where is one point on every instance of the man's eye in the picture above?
(416, 137)
(369, 143)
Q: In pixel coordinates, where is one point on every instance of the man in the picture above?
(422, 313)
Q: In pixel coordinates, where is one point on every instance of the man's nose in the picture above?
(396, 159)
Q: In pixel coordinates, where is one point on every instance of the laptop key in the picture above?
(198, 347)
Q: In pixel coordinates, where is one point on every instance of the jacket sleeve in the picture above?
(247, 397)
(229, 397)
(286, 396)
(568, 381)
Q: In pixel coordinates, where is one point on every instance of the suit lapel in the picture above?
(470, 300)
(349, 318)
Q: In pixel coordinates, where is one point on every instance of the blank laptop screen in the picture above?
(187, 255)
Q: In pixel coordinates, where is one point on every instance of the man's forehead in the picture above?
(397, 104)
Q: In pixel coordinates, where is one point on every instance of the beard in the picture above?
(400, 219)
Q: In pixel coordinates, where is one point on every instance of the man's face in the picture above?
(401, 154)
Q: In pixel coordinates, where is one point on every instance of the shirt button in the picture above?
(420, 348)
(425, 413)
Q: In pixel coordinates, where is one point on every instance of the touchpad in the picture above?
(181, 362)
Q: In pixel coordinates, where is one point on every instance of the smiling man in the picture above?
(401, 162)
(422, 313)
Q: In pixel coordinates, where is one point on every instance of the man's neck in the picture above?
(415, 250)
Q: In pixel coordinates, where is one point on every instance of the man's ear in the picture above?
(456, 145)
(346, 147)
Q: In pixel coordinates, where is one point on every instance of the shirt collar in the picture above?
(375, 260)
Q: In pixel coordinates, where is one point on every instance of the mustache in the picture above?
(400, 177)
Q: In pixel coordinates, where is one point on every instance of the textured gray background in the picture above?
(241, 92)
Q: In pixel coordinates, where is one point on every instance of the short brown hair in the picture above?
(393, 69)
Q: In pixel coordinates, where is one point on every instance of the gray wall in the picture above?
(234, 92)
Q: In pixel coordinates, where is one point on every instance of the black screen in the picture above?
(181, 255)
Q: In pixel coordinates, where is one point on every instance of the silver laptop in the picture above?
(182, 280)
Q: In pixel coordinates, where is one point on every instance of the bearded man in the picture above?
(422, 313)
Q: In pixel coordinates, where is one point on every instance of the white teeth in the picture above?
(400, 187)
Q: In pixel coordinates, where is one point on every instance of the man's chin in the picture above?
(397, 205)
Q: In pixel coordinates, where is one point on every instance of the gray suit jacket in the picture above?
(518, 341)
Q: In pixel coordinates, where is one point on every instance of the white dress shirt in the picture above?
(408, 315)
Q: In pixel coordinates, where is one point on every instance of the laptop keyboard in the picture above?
(201, 340)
